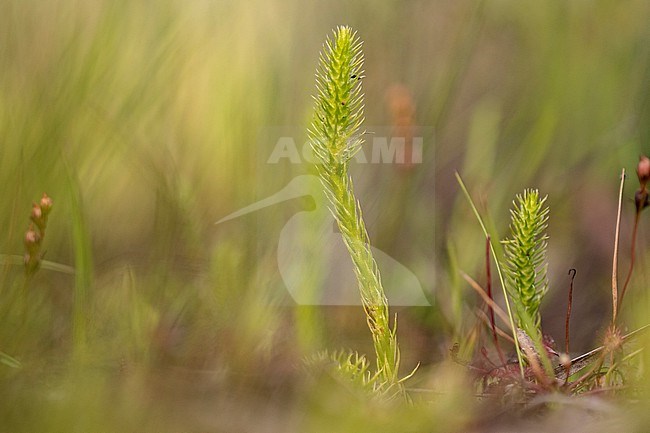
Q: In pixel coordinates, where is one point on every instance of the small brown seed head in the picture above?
(613, 340)
(37, 213)
(31, 236)
(565, 360)
(46, 204)
(37, 216)
(32, 241)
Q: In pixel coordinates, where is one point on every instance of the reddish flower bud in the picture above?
(31, 237)
(46, 204)
(37, 216)
(37, 213)
(643, 170)
(32, 242)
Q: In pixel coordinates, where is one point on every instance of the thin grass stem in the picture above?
(499, 272)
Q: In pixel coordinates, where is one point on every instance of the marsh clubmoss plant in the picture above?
(526, 264)
(524, 280)
(347, 365)
(335, 137)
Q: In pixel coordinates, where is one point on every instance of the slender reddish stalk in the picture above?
(484, 318)
(567, 334)
(572, 272)
(641, 201)
(477, 287)
(632, 257)
(488, 274)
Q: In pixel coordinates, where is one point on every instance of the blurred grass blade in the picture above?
(83, 265)
(9, 361)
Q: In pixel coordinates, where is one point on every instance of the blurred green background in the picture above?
(147, 122)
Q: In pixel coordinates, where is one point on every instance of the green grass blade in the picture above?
(499, 271)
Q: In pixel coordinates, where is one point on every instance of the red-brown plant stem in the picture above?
(641, 202)
(476, 286)
(488, 274)
(481, 315)
(572, 272)
(632, 257)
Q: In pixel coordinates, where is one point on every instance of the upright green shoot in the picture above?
(335, 137)
(526, 258)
